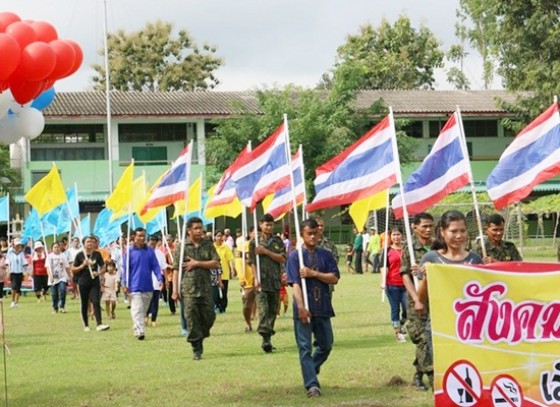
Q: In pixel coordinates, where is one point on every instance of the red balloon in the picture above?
(6, 19)
(78, 57)
(22, 32)
(65, 56)
(11, 54)
(4, 84)
(25, 91)
(45, 31)
(37, 61)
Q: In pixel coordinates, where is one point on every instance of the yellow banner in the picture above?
(496, 334)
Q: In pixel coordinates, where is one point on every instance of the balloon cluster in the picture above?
(33, 58)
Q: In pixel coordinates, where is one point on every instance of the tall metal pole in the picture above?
(108, 100)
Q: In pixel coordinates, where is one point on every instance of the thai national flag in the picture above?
(444, 170)
(363, 169)
(531, 158)
(264, 170)
(225, 190)
(282, 202)
(173, 185)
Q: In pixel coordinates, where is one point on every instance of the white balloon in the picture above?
(30, 122)
(9, 132)
(6, 99)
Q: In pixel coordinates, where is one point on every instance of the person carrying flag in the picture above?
(320, 271)
(272, 255)
(195, 287)
(497, 249)
(423, 228)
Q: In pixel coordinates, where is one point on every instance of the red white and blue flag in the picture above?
(366, 167)
(444, 170)
(174, 185)
(264, 170)
(225, 191)
(282, 202)
(532, 157)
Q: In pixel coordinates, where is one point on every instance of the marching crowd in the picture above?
(195, 280)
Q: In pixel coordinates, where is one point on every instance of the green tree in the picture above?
(9, 177)
(456, 55)
(323, 122)
(151, 59)
(523, 39)
(394, 56)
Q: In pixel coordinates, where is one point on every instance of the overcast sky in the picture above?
(263, 42)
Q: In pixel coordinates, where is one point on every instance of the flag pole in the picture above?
(8, 234)
(184, 231)
(304, 214)
(78, 227)
(299, 243)
(401, 189)
(385, 246)
(471, 183)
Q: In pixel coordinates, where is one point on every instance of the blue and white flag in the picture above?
(532, 157)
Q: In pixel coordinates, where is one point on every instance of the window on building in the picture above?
(435, 127)
(151, 132)
(71, 134)
(69, 142)
(37, 175)
(413, 129)
(481, 128)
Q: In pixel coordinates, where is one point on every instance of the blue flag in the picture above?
(4, 209)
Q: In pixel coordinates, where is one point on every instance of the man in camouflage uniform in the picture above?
(272, 255)
(422, 226)
(497, 249)
(200, 257)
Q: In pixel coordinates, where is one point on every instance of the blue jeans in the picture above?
(182, 313)
(397, 298)
(58, 292)
(321, 330)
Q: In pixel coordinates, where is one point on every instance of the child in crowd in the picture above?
(109, 287)
(349, 256)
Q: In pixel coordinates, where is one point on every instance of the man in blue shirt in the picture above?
(137, 279)
(319, 270)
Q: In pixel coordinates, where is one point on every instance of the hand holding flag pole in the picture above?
(296, 220)
(401, 188)
(471, 183)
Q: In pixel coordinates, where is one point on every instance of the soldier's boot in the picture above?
(431, 379)
(266, 344)
(417, 382)
(197, 350)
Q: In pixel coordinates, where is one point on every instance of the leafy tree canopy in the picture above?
(151, 59)
(522, 38)
(394, 56)
(317, 120)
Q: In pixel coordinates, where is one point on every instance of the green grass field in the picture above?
(54, 363)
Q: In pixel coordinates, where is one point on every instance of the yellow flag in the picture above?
(137, 198)
(359, 210)
(150, 213)
(48, 193)
(122, 194)
(232, 209)
(194, 197)
(266, 203)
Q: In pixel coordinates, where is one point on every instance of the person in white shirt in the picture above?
(58, 269)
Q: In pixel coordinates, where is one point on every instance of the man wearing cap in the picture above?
(16, 262)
